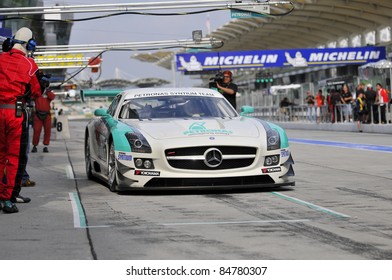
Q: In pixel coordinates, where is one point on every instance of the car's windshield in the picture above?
(176, 107)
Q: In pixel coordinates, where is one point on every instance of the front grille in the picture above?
(210, 182)
(196, 157)
(200, 165)
(233, 150)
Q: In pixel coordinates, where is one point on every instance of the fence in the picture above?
(378, 113)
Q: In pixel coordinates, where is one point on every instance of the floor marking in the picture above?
(311, 205)
(69, 172)
(236, 222)
(103, 226)
(78, 213)
(376, 148)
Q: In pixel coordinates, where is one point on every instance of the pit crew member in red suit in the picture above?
(17, 73)
(42, 115)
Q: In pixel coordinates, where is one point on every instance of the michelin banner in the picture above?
(207, 61)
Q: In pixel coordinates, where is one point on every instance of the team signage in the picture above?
(58, 61)
(205, 61)
(264, 10)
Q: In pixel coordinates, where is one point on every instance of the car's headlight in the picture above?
(273, 136)
(138, 142)
(273, 140)
(271, 160)
(144, 163)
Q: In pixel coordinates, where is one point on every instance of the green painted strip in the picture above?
(311, 205)
(79, 209)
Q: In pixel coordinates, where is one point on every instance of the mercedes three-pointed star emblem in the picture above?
(213, 157)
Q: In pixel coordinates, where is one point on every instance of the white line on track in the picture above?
(69, 172)
(311, 205)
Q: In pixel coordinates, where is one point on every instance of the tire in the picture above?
(87, 158)
(112, 169)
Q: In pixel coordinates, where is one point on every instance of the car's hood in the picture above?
(177, 128)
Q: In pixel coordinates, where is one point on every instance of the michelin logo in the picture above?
(241, 60)
(297, 61)
(192, 65)
(344, 56)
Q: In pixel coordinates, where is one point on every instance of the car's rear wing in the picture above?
(98, 93)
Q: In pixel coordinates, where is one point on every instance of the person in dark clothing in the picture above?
(371, 95)
(334, 100)
(285, 102)
(359, 90)
(228, 88)
(285, 105)
(346, 99)
(361, 109)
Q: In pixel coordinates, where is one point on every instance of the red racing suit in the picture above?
(42, 117)
(16, 72)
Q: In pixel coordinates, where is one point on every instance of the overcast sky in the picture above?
(137, 28)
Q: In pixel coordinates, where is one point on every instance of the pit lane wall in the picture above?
(345, 127)
(301, 117)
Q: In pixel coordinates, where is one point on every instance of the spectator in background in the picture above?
(361, 110)
(360, 89)
(309, 100)
(370, 95)
(347, 99)
(320, 100)
(382, 98)
(334, 101)
(284, 107)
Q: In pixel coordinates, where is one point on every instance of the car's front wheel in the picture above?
(112, 169)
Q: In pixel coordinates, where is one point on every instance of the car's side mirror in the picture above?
(247, 110)
(101, 112)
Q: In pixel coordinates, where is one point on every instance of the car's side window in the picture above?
(123, 113)
(128, 113)
(113, 106)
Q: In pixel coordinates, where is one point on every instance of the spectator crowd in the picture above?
(365, 105)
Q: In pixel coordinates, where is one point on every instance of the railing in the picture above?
(345, 113)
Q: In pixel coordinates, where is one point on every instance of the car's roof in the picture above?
(188, 91)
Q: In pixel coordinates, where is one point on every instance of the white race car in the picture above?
(155, 138)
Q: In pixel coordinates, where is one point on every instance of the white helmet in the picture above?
(23, 40)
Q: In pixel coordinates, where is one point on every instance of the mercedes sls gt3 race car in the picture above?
(154, 138)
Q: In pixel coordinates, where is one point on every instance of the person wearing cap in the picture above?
(228, 89)
(17, 79)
